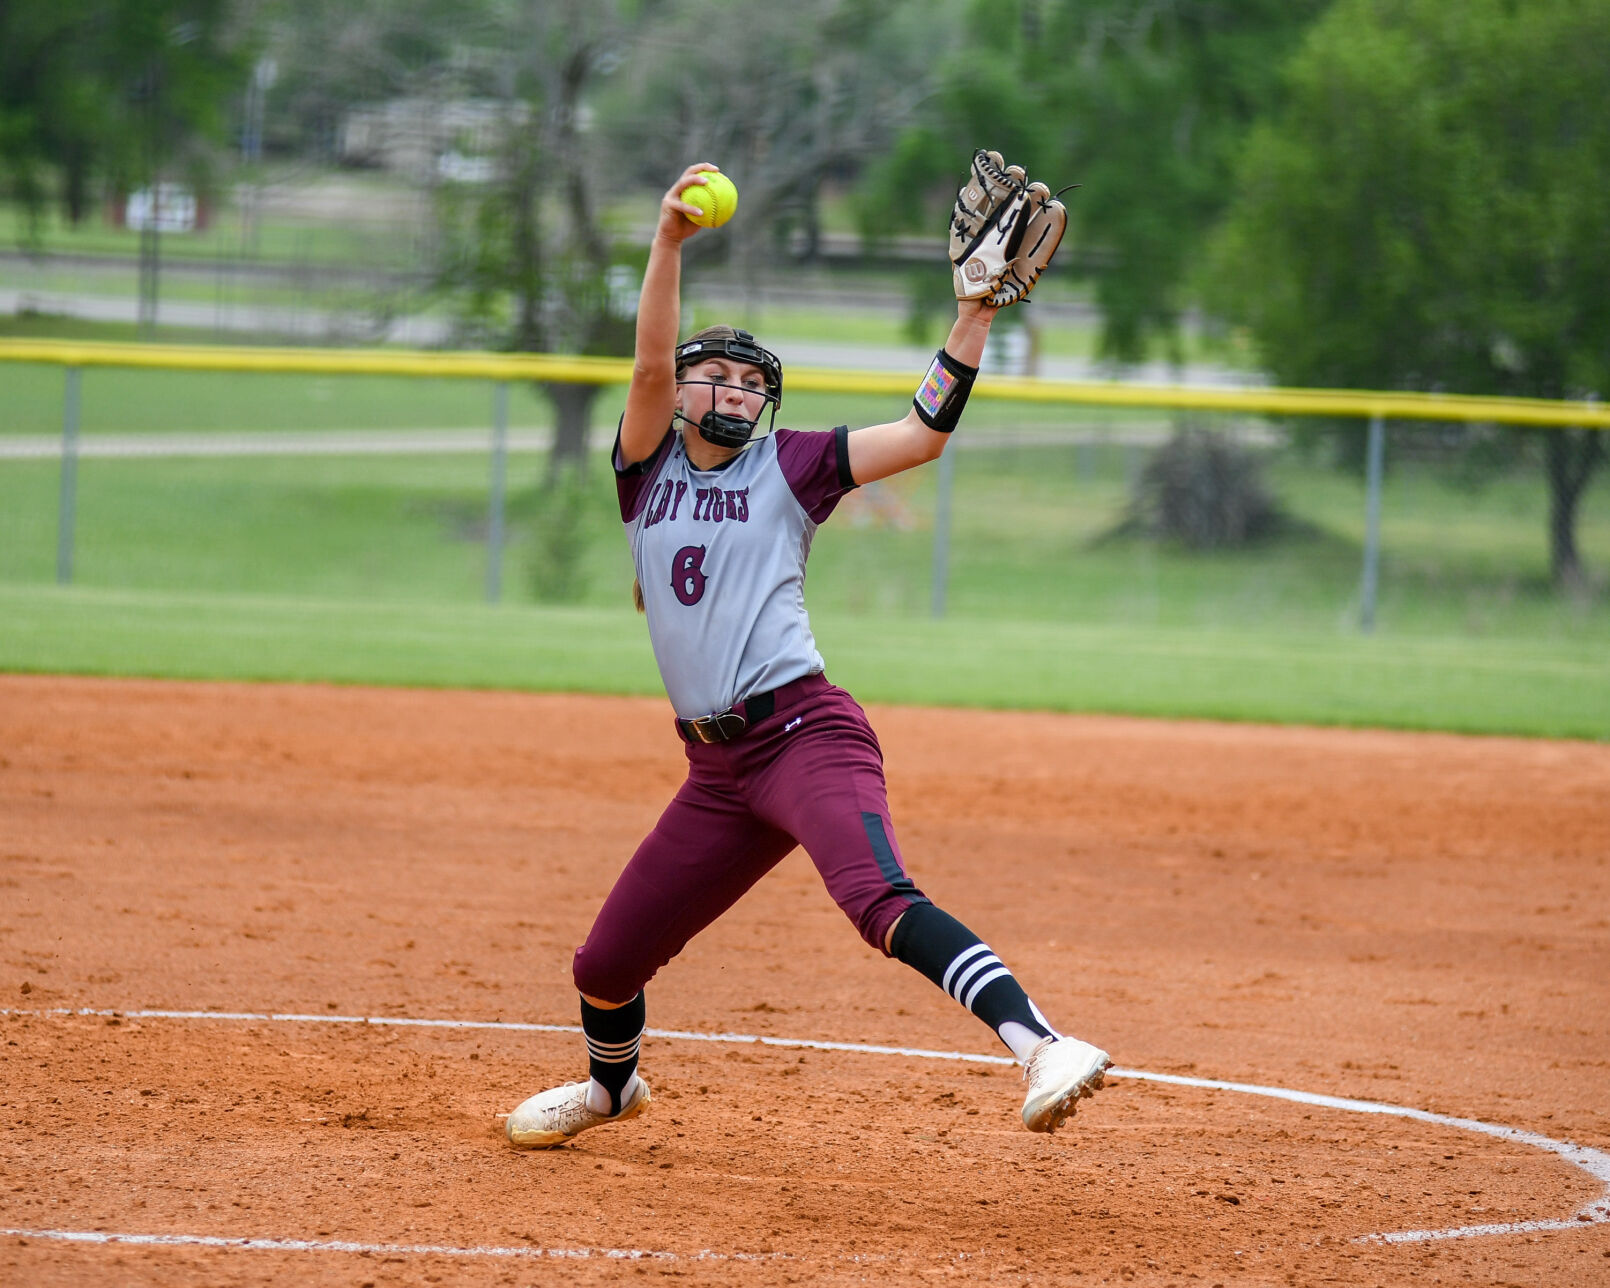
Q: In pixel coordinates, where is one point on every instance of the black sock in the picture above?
(934, 943)
(613, 1037)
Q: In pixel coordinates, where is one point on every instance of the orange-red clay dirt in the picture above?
(1419, 920)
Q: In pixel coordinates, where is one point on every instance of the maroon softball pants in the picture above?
(809, 774)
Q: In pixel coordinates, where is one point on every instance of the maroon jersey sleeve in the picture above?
(817, 467)
(632, 481)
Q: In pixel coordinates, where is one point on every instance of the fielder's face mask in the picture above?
(716, 427)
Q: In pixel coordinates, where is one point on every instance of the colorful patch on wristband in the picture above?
(936, 388)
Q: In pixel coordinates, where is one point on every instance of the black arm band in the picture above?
(943, 392)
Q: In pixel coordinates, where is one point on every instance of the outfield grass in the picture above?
(371, 569)
(1521, 687)
(53, 326)
(128, 401)
(118, 400)
(778, 324)
(222, 287)
(367, 568)
(306, 242)
(1030, 540)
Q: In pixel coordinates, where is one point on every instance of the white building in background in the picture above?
(165, 208)
(427, 138)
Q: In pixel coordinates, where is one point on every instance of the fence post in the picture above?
(67, 506)
(946, 484)
(494, 517)
(1372, 524)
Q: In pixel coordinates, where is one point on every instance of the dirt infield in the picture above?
(1417, 920)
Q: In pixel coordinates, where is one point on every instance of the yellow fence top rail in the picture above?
(350, 362)
(618, 371)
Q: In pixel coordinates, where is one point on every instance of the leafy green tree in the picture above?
(51, 115)
(125, 92)
(1158, 99)
(527, 257)
(1144, 103)
(1428, 213)
(989, 86)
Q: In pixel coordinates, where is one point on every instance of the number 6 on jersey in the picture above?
(687, 574)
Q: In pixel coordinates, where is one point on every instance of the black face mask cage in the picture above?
(740, 346)
(729, 431)
(717, 427)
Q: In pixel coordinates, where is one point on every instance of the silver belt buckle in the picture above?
(724, 726)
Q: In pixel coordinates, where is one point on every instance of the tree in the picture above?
(1427, 213)
(989, 88)
(116, 90)
(130, 93)
(50, 112)
(1159, 97)
(601, 99)
(527, 255)
(1144, 104)
(785, 98)
(332, 57)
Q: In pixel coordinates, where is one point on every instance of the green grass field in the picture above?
(1060, 338)
(1029, 540)
(128, 401)
(125, 401)
(371, 569)
(300, 240)
(50, 326)
(1533, 688)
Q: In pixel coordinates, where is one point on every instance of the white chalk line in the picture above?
(381, 1249)
(1596, 1163)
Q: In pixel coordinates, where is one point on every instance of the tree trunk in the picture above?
(1571, 455)
(572, 405)
(75, 184)
(526, 251)
(810, 250)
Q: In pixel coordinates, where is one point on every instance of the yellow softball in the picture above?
(716, 198)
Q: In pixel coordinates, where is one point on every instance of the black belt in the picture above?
(726, 725)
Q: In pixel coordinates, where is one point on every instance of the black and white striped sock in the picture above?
(935, 944)
(613, 1037)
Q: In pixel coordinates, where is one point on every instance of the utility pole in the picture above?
(264, 74)
(150, 228)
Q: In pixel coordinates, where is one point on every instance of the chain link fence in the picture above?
(409, 477)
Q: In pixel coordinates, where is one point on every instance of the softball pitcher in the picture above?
(720, 511)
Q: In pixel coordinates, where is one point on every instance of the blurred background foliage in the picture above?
(1398, 194)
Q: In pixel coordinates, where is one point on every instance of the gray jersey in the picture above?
(720, 555)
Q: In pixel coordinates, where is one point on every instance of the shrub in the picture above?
(1205, 492)
(559, 539)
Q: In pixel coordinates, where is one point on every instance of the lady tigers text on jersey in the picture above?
(710, 504)
(720, 558)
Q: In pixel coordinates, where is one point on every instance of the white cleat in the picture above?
(551, 1118)
(1061, 1071)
